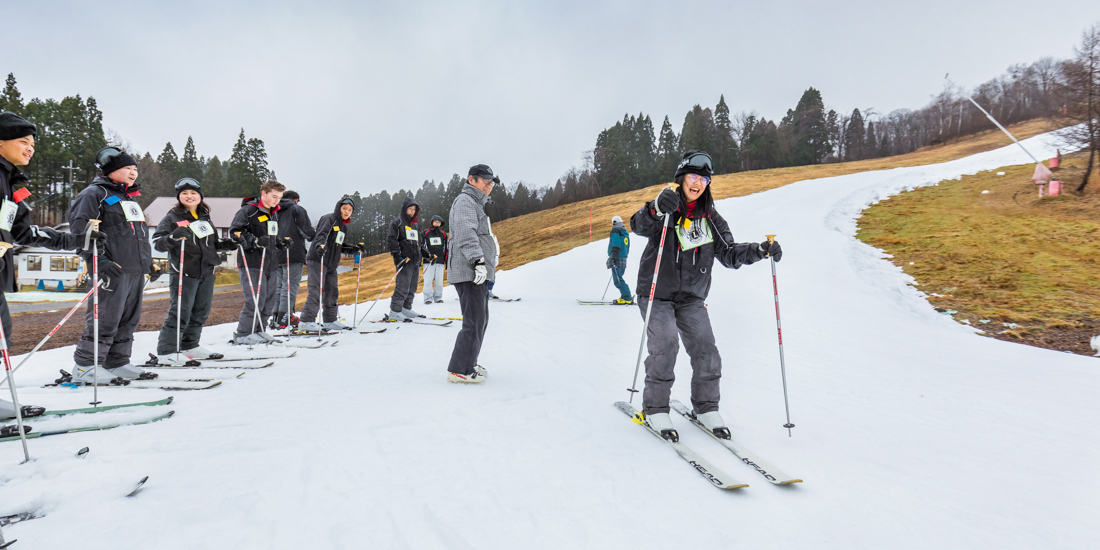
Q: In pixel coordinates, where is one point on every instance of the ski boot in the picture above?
(410, 314)
(86, 376)
(199, 353)
(310, 327)
(7, 410)
(130, 371)
(395, 317)
(336, 325)
(662, 424)
(248, 339)
(713, 422)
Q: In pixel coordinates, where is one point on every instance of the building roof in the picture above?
(222, 210)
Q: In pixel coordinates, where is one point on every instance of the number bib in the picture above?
(695, 235)
(7, 214)
(435, 241)
(132, 210)
(410, 234)
(272, 228)
(340, 237)
(202, 228)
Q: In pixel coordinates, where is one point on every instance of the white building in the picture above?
(47, 269)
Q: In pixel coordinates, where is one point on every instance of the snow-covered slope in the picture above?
(912, 432)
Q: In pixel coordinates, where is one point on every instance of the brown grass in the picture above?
(543, 234)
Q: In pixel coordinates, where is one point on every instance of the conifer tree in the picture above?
(190, 166)
(854, 136)
(870, 145)
(11, 99)
(725, 156)
(668, 152)
(810, 130)
(168, 162)
(213, 179)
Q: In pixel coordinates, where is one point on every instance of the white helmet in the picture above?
(616, 219)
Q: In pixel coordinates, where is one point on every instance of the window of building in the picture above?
(64, 263)
(34, 263)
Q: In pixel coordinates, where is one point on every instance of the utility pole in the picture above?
(67, 192)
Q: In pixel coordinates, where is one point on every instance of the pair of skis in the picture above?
(424, 321)
(710, 472)
(37, 434)
(602, 303)
(66, 380)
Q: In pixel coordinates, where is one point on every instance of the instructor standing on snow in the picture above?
(472, 262)
(618, 247)
(696, 237)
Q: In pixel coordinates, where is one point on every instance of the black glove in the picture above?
(609, 263)
(399, 260)
(349, 249)
(180, 233)
(154, 273)
(98, 236)
(225, 245)
(667, 202)
(109, 269)
(363, 248)
(771, 248)
(268, 241)
(247, 241)
(283, 243)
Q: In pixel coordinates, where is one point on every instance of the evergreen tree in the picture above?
(870, 145)
(213, 179)
(668, 153)
(854, 136)
(168, 162)
(190, 165)
(726, 157)
(240, 180)
(832, 130)
(11, 99)
(810, 130)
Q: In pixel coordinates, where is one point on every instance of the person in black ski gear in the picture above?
(471, 263)
(696, 237)
(256, 229)
(188, 222)
(433, 248)
(328, 243)
(403, 242)
(124, 260)
(17, 138)
(618, 248)
(296, 226)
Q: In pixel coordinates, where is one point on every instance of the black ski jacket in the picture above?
(403, 237)
(200, 257)
(329, 229)
(253, 218)
(22, 232)
(686, 273)
(294, 223)
(127, 241)
(427, 249)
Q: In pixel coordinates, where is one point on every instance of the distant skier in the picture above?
(256, 228)
(433, 248)
(295, 225)
(472, 262)
(328, 244)
(697, 237)
(403, 242)
(124, 260)
(188, 221)
(617, 250)
(17, 137)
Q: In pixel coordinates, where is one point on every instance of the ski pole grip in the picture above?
(771, 238)
(93, 225)
(4, 247)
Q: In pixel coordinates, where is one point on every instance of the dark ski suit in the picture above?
(200, 257)
(433, 268)
(295, 224)
(403, 241)
(617, 250)
(678, 308)
(21, 232)
(252, 221)
(127, 245)
(331, 232)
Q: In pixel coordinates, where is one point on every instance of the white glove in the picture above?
(480, 272)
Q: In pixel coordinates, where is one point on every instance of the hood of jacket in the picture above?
(618, 225)
(336, 210)
(405, 204)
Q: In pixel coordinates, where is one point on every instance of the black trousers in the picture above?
(404, 287)
(474, 302)
(194, 308)
(119, 314)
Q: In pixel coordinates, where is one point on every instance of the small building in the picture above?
(46, 269)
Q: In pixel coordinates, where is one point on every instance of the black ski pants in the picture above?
(119, 314)
(473, 300)
(5, 318)
(193, 307)
(672, 320)
(404, 287)
(313, 300)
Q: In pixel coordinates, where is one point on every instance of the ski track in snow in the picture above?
(912, 431)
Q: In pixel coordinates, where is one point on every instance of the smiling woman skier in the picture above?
(697, 235)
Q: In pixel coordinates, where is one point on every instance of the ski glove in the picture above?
(247, 240)
(109, 269)
(98, 236)
(268, 241)
(480, 271)
(225, 245)
(349, 249)
(154, 273)
(667, 202)
(772, 248)
(609, 263)
(180, 233)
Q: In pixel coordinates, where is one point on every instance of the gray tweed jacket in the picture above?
(471, 236)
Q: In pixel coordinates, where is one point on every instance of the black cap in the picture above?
(695, 162)
(110, 159)
(13, 126)
(484, 172)
(188, 183)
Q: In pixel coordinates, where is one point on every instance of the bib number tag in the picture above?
(695, 235)
(132, 210)
(435, 241)
(410, 234)
(340, 237)
(273, 228)
(202, 229)
(7, 214)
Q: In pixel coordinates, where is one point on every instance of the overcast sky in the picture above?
(368, 96)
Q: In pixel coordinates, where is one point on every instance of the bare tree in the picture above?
(1080, 95)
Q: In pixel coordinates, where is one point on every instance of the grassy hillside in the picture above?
(542, 234)
(1024, 265)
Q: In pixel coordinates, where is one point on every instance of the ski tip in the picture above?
(242, 374)
(169, 400)
(82, 452)
(170, 414)
(790, 481)
(736, 486)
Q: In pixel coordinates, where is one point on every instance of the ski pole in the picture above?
(649, 305)
(179, 298)
(259, 288)
(251, 289)
(11, 383)
(358, 272)
(289, 306)
(321, 295)
(604, 297)
(779, 329)
(399, 268)
(93, 225)
(55, 329)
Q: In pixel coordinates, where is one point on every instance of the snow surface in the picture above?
(912, 431)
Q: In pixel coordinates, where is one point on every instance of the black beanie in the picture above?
(13, 126)
(115, 159)
(695, 162)
(188, 183)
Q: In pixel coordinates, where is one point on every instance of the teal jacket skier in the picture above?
(617, 250)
